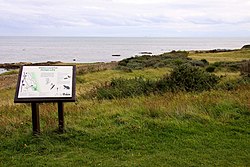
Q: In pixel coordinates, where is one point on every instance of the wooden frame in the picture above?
(46, 99)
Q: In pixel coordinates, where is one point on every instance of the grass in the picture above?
(210, 128)
(96, 78)
(184, 129)
(222, 56)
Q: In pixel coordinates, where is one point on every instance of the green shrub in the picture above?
(217, 64)
(178, 62)
(122, 88)
(135, 65)
(205, 62)
(229, 66)
(152, 62)
(210, 68)
(171, 59)
(234, 84)
(198, 63)
(187, 78)
(179, 53)
(159, 65)
(125, 69)
(233, 67)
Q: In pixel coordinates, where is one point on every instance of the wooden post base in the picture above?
(60, 117)
(35, 118)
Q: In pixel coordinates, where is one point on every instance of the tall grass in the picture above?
(183, 129)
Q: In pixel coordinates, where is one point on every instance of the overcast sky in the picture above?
(125, 18)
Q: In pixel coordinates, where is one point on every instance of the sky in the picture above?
(125, 18)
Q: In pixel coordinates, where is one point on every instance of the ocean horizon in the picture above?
(100, 49)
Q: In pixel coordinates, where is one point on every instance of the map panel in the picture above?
(46, 81)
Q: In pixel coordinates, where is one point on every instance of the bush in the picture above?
(171, 59)
(122, 88)
(205, 62)
(234, 84)
(125, 69)
(178, 62)
(135, 65)
(159, 65)
(187, 78)
(229, 66)
(217, 64)
(233, 67)
(210, 68)
(198, 63)
(180, 53)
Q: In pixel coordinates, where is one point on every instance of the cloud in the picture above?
(93, 16)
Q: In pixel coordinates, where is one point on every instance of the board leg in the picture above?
(35, 118)
(60, 116)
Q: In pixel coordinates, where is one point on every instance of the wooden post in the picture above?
(35, 118)
(60, 117)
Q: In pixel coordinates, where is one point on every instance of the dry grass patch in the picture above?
(222, 56)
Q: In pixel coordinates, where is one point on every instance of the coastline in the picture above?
(92, 50)
(10, 66)
(5, 67)
(3, 70)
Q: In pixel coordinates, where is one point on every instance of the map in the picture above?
(46, 81)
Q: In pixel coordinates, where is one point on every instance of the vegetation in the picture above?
(234, 84)
(210, 68)
(245, 68)
(192, 127)
(172, 59)
(122, 88)
(182, 78)
(188, 78)
(237, 55)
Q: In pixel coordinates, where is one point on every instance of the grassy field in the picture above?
(237, 55)
(209, 128)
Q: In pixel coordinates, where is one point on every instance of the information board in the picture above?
(48, 83)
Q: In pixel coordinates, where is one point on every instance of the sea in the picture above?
(102, 49)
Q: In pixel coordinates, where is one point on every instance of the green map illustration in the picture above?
(29, 82)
